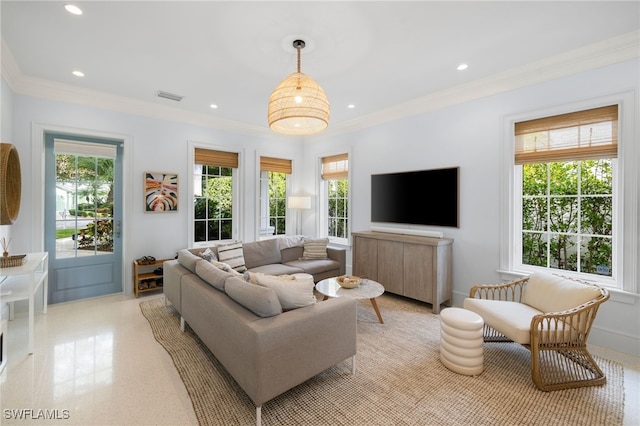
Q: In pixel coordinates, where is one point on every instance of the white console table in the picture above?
(22, 283)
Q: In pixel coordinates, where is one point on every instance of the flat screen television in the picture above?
(422, 197)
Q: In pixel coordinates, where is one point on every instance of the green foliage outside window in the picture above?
(338, 215)
(567, 219)
(213, 205)
(90, 180)
(277, 202)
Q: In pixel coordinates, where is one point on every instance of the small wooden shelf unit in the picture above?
(142, 273)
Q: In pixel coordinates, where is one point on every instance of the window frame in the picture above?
(290, 180)
(323, 204)
(625, 190)
(237, 216)
(259, 201)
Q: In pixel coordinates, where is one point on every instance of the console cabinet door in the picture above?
(419, 271)
(365, 258)
(390, 271)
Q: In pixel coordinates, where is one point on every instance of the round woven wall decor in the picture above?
(10, 184)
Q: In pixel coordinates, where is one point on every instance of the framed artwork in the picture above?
(160, 192)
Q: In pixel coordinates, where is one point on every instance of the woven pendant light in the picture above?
(298, 106)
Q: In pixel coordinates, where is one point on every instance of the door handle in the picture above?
(117, 230)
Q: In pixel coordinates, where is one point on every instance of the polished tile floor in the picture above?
(97, 363)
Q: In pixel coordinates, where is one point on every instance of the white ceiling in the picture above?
(375, 55)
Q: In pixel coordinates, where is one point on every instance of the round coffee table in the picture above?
(368, 289)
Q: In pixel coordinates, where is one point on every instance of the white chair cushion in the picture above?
(512, 319)
(551, 293)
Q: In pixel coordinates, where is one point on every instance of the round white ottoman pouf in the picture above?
(461, 341)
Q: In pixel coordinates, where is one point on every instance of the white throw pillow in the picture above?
(224, 267)
(292, 293)
(232, 255)
(208, 255)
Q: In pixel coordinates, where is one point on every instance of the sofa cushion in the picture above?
(551, 293)
(315, 249)
(291, 253)
(316, 266)
(260, 300)
(512, 319)
(277, 269)
(233, 255)
(292, 293)
(212, 275)
(188, 259)
(260, 253)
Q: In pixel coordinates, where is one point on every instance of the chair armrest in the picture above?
(340, 256)
(568, 328)
(511, 291)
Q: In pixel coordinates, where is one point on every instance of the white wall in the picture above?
(150, 145)
(470, 136)
(6, 133)
(467, 135)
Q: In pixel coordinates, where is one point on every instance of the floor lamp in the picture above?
(299, 203)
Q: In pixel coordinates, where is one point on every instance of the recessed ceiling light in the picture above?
(351, 106)
(73, 9)
(462, 67)
(214, 106)
(78, 73)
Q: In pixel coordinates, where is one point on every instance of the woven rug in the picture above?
(399, 380)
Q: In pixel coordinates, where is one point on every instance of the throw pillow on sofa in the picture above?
(315, 249)
(232, 255)
(225, 267)
(262, 301)
(208, 255)
(292, 293)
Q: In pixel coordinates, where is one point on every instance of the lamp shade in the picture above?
(298, 106)
(299, 202)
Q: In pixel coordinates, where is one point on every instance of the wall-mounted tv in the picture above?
(422, 197)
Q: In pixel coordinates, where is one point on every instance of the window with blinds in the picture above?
(273, 195)
(335, 173)
(566, 197)
(582, 135)
(213, 194)
(335, 167)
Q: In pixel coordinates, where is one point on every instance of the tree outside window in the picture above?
(273, 203)
(568, 163)
(338, 215)
(335, 177)
(567, 216)
(213, 203)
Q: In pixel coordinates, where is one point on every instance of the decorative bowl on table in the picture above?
(349, 281)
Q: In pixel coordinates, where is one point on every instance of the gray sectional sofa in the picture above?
(265, 349)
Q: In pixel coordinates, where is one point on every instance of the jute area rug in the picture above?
(399, 380)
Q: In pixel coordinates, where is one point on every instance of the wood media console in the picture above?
(408, 265)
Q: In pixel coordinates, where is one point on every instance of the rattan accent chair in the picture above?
(557, 339)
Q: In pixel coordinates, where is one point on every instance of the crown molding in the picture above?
(618, 49)
(608, 52)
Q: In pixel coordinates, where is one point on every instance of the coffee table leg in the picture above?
(375, 307)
